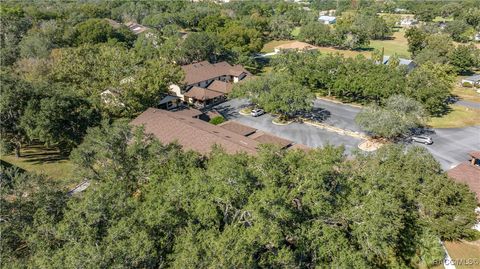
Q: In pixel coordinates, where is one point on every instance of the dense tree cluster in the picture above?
(350, 31)
(399, 116)
(366, 81)
(439, 48)
(151, 205)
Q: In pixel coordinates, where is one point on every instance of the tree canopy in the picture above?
(152, 205)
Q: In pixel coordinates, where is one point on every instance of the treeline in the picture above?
(352, 30)
(151, 205)
(74, 64)
(366, 81)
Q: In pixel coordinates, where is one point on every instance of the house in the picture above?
(295, 45)
(327, 19)
(477, 37)
(136, 28)
(203, 97)
(111, 98)
(169, 102)
(330, 12)
(206, 80)
(468, 173)
(197, 135)
(409, 64)
(472, 81)
(400, 10)
(408, 22)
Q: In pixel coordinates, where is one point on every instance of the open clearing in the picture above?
(464, 251)
(39, 159)
(460, 116)
(466, 94)
(398, 44)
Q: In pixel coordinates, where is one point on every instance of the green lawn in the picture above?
(398, 45)
(464, 251)
(467, 94)
(39, 159)
(460, 116)
(270, 46)
(440, 19)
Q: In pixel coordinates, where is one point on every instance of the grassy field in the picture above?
(464, 251)
(467, 94)
(39, 159)
(460, 116)
(398, 44)
(270, 46)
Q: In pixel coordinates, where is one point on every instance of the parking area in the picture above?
(297, 132)
(450, 147)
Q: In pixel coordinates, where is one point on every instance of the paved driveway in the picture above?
(450, 147)
(296, 132)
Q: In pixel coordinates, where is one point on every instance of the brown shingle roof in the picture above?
(238, 128)
(220, 86)
(191, 133)
(265, 138)
(469, 174)
(202, 94)
(201, 71)
(475, 154)
(189, 112)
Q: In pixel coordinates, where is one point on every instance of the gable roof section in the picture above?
(469, 174)
(238, 128)
(220, 86)
(202, 94)
(201, 71)
(191, 133)
(327, 18)
(264, 138)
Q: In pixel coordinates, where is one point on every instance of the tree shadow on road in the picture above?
(228, 111)
(316, 114)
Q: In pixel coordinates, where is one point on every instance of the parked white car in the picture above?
(257, 112)
(422, 139)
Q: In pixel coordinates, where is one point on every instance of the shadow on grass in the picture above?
(38, 154)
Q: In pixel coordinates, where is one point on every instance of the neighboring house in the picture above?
(136, 28)
(468, 173)
(207, 84)
(400, 10)
(296, 45)
(195, 134)
(111, 97)
(327, 19)
(472, 81)
(409, 64)
(169, 102)
(477, 37)
(203, 97)
(407, 22)
(330, 12)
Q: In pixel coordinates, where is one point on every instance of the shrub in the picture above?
(217, 120)
(467, 84)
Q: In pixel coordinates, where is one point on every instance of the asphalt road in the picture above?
(296, 132)
(450, 147)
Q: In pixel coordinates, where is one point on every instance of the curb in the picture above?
(338, 102)
(336, 130)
